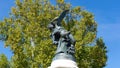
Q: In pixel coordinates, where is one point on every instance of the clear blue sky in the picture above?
(107, 14)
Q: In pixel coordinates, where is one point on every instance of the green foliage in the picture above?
(26, 33)
(4, 63)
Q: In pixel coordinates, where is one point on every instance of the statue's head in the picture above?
(53, 23)
(57, 20)
(51, 26)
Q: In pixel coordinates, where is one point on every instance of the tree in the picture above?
(26, 33)
(4, 63)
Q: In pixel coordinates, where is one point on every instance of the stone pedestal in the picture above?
(63, 63)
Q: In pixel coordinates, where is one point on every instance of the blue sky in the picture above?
(107, 15)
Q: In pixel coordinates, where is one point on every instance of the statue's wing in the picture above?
(62, 15)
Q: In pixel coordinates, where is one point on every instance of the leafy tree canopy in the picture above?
(4, 63)
(26, 33)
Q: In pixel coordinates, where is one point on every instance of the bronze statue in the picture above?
(62, 38)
